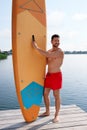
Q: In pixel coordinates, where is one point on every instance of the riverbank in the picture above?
(3, 56)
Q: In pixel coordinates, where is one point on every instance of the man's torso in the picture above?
(54, 64)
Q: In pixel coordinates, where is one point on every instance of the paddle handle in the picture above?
(33, 38)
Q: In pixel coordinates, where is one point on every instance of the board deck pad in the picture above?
(29, 18)
(32, 94)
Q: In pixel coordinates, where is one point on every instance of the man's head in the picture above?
(55, 40)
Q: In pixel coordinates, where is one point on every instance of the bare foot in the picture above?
(44, 114)
(55, 120)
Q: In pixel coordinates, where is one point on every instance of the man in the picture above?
(53, 80)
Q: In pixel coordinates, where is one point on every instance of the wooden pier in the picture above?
(70, 118)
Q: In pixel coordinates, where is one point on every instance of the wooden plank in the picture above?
(70, 118)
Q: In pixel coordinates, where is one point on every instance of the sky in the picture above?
(68, 18)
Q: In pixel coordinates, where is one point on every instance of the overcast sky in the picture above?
(68, 18)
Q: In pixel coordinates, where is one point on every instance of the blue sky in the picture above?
(68, 18)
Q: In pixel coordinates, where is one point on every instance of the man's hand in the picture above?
(34, 43)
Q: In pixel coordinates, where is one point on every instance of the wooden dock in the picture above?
(70, 118)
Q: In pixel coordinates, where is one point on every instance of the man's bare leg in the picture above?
(56, 94)
(47, 102)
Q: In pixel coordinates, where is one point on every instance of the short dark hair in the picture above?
(55, 35)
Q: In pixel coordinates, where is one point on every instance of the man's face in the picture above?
(55, 42)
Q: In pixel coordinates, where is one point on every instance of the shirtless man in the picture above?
(53, 80)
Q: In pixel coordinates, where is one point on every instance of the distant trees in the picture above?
(4, 54)
(75, 52)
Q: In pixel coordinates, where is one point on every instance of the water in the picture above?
(74, 83)
(8, 98)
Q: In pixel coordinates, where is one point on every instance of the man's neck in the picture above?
(55, 48)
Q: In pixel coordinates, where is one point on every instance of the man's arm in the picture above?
(47, 53)
(44, 53)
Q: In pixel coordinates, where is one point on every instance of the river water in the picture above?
(74, 89)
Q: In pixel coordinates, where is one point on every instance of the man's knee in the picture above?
(56, 94)
(46, 94)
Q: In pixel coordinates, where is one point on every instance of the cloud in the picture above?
(73, 43)
(79, 17)
(55, 18)
(5, 33)
(74, 46)
(83, 45)
(5, 38)
(71, 34)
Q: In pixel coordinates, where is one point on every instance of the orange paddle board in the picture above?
(28, 18)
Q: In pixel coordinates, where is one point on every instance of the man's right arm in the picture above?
(47, 53)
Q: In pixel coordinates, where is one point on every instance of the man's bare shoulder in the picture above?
(50, 50)
(60, 51)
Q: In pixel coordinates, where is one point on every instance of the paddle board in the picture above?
(28, 18)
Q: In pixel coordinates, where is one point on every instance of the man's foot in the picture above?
(55, 120)
(44, 114)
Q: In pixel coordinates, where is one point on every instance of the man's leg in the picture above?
(56, 94)
(47, 102)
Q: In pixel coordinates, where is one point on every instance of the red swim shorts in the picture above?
(53, 81)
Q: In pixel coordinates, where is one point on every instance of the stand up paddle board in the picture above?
(28, 18)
